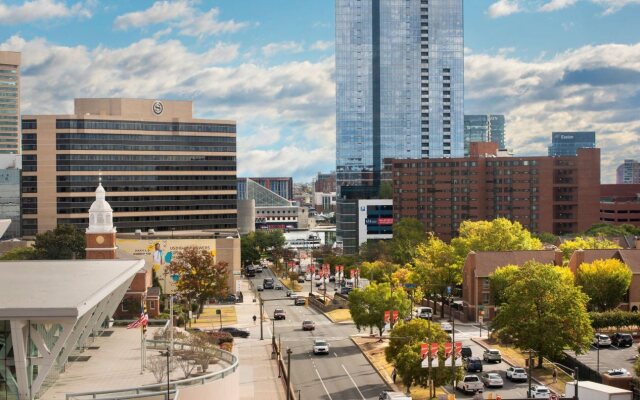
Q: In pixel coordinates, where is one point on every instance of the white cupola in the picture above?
(100, 213)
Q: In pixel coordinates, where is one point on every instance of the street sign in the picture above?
(480, 319)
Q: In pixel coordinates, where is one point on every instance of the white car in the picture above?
(618, 372)
(539, 392)
(601, 340)
(387, 395)
(492, 379)
(516, 374)
(446, 327)
(320, 346)
(470, 384)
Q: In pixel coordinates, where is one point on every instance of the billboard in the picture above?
(375, 219)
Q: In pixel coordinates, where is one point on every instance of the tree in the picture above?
(605, 229)
(249, 252)
(374, 250)
(19, 253)
(65, 242)
(605, 282)
(407, 234)
(499, 281)
(200, 278)
(377, 271)
(544, 311)
(386, 190)
(437, 267)
(546, 237)
(584, 243)
(367, 306)
(404, 351)
(497, 235)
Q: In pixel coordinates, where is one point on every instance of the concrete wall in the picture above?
(227, 388)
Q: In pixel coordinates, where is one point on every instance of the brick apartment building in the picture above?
(620, 204)
(559, 195)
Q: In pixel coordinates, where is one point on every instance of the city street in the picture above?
(342, 374)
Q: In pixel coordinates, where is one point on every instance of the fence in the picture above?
(282, 371)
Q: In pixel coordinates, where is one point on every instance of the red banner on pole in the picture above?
(434, 351)
(395, 315)
(424, 349)
(387, 315)
(447, 350)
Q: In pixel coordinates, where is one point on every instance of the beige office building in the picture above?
(161, 168)
(9, 102)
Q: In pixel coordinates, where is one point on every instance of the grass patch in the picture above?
(374, 351)
(340, 315)
(292, 285)
(210, 320)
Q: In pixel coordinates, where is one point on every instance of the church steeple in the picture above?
(101, 234)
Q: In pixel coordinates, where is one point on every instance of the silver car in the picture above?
(492, 379)
(492, 355)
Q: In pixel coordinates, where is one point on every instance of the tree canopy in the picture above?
(199, 276)
(605, 282)
(605, 229)
(544, 311)
(65, 242)
(499, 234)
(367, 306)
(585, 243)
(407, 234)
(499, 281)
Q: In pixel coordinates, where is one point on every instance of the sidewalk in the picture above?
(258, 372)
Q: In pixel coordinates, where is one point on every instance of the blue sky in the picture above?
(548, 65)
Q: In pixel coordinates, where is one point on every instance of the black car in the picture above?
(235, 332)
(466, 352)
(473, 364)
(622, 340)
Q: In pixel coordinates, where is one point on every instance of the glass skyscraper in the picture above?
(483, 128)
(9, 102)
(399, 83)
(568, 143)
(399, 87)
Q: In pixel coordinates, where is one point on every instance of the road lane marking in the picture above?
(335, 354)
(322, 382)
(354, 382)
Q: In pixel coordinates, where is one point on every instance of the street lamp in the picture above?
(289, 373)
(261, 311)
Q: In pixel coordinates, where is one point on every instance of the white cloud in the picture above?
(590, 88)
(289, 107)
(321, 45)
(502, 8)
(182, 15)
(272, 49)
(555, 5)
(30, 11)
(611, 6)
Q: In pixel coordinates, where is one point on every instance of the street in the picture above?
(342, 374)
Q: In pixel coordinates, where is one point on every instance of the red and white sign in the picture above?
(395, 315)
(387, 316)
(424, 349)
(385, 221)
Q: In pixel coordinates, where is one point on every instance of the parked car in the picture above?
(279, 287)
(446, 327)
(470, 384)
(472, 364)
(425, 312)
(308, 325)
(600, 340)
(466, 352)
(622, 340)
(345, 290)
(387, 395)
(279, 313)
(235, 332)
(320, 346)
(307, 277)
(289, 293)
(516, 374)
(259, 288)
(492, 355)
(332, 278)
(301, 279)
(300, 301)
(539, 392)
(492, 379)
(618, 372)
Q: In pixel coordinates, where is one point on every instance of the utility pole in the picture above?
(575, 372)
(530, 352)
(453, 351)
(261, 305)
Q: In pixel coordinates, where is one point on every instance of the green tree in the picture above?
(200, 278)
(407, 234)
(19, 253)
(404, 352)
(585, 243)
(605, 282)
(377, 271)
(65, 242)
(367, 306)
(546, 237)
(499, 281)
(386, 190)
(544, 311)
(497, 235)
(605, 229)
(249, 252)
(437, 267)
(374, 250)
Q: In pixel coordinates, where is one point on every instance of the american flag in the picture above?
(143, 320)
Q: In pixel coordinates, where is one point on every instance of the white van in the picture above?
(425, 312)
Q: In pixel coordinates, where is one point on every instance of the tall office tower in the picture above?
(483, 128)
(9, 102)
(567, 143)
(399, 92)
(161, 168)
(628, 172)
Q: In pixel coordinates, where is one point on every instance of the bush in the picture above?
(218, 338)
(614, 319)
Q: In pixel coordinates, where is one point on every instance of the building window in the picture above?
(485, 298)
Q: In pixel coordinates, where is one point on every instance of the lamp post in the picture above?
(577, 383)
(261, 305)
(289, 373)
(168, 353)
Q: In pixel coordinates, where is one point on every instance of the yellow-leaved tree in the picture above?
(605, 282)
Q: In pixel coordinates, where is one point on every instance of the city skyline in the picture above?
(271, 66)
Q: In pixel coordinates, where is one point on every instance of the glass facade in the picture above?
(10, 200)
(568, 143)
(9, 106)
(483, 128)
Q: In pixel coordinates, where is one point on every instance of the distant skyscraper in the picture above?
(628, 172)
(483, 128)
(399, 89)
(567, 143)
(9, 102)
